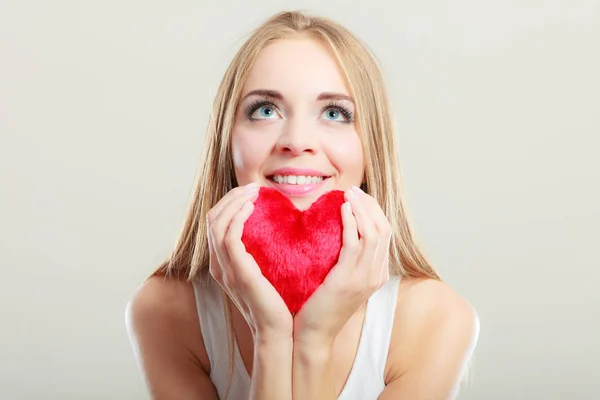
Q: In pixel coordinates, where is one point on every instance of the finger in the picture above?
(238, 194)
(380, 272)
(350, 243)
(248, 274)
(385, 268)
(233, 239)
(220, 257)
(213, 267)
(375, 212)
(364, 221)
(248, 191)
(366, 227)
(221, 224)
(220, 268)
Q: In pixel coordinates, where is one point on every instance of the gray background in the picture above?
(103, 107)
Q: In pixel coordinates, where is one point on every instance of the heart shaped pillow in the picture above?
(294, 249)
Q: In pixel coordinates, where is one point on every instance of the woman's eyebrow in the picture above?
(335, 96)
(264, 92)
(276, 95)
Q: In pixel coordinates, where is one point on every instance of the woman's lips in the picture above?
(297, 190)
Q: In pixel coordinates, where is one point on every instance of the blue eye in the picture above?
(338, 112)
(266, 109)
(333, 115)
(263, 112)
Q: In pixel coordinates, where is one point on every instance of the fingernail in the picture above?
(350, 194)
(348, 207)
(251, 188)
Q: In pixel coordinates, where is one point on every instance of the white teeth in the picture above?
(297, 179)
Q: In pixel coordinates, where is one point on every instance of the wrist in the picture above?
(312, 350)
(272, 368)
(273, 339)
(273, 351)
(312, 339)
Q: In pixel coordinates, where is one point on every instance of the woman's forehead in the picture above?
(296, 66)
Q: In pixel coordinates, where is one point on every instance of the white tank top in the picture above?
(366, 379)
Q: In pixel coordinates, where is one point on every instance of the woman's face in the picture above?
(294, 127)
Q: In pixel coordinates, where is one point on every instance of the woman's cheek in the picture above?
(346, 153)
(249, 153)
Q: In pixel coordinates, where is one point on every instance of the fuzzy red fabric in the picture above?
(294, 249)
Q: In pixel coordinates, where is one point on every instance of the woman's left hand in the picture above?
(362, 268)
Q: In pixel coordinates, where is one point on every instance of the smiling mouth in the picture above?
(297, 179)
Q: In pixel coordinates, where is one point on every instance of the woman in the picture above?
(301, 97)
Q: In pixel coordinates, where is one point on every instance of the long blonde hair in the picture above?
(215, 175)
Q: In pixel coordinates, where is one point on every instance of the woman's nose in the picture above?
(297, 138)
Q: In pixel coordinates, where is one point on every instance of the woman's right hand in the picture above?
(237, 272)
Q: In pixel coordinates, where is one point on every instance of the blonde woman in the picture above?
(302, 97)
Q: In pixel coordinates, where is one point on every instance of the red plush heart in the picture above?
(294, 249)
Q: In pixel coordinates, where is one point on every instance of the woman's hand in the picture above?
(362, 268)
(237, 272)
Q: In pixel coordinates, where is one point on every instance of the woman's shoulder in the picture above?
(163, 311)
(164, 330)
(431, 319)
(428, 298)
(165, 298)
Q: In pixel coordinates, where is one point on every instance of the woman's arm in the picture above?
(162, 323)
(272, 369)
(313, 370)
(434, 336)
(435, 329)
(262, 307)
(164, 330)
(433, 339)
(361, 269)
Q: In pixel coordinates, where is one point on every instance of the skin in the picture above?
(300, 131)
(308, 355)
